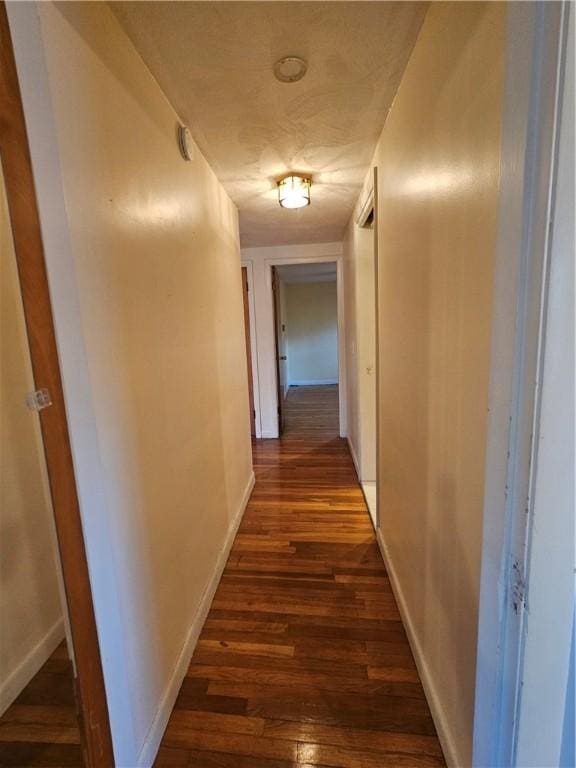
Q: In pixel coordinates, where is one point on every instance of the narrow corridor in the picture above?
(303, 659)
(260, 261)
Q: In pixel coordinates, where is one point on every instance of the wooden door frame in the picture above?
(374, 173)
(22, 205)
(253, 342)
(247, 336)
(277, 331)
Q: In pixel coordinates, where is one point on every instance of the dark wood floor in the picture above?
(303, 660)
(40, 729)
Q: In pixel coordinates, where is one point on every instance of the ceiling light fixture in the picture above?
(290, 69)
(294, 191)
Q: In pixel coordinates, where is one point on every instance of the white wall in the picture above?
(438, 163)
(144, 271)
(260, 261)
(31, 622)
(312, 333)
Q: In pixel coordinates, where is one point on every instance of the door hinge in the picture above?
(254, 412)
(517, 587)
(38, 400)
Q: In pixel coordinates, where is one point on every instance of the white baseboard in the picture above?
(371, 499)
(453, 760)
(354, 458)
(152, 742)
(312, 382)
(30, 665)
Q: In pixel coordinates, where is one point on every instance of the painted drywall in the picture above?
(31, 622)
(259, 261)
(312, 333)
(360, 297)
(157, 265)
(438, 165)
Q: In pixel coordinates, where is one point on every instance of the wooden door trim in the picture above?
(247, 335)
(376, 346)
(277, 331)
(22, 206)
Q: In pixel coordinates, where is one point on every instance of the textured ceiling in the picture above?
(214, 61)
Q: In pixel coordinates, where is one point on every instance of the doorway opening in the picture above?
(305, 299)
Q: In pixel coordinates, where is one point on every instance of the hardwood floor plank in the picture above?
(48, 689)
(184, 721)
(393, 674)
(345, 757)
(269, 677)
(45, 724)
(233, 744)
(394, 632)
(335, 623)
(238, 633)
(353, 737)
(375, 716)
(170, 757)
(355, 652)
(257, 649)
(298, 666)
(223, 760)
(40, 755)
(363, 687)
(299, 609)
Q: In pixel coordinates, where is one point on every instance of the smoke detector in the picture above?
(290, 69)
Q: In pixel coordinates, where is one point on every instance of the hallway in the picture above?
(260, 257)
(303, 660)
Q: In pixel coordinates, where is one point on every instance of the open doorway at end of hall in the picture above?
(306, 335)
